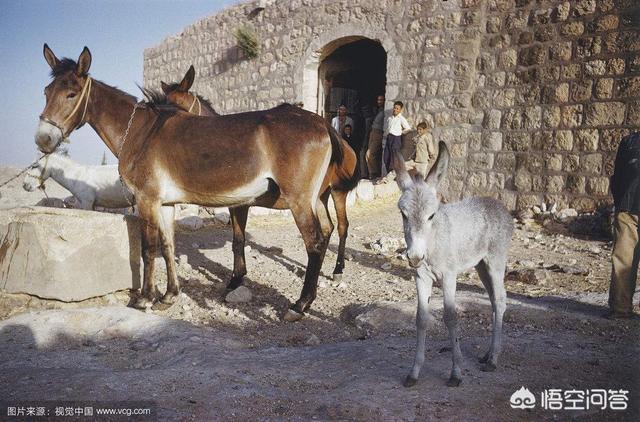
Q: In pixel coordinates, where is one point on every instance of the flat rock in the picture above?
(527, 276)
(68, 255)
(192, 223)
(241, 294)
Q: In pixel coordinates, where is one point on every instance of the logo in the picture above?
(523, 399)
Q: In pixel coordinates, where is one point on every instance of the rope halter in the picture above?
(196, 99)
(84, 96)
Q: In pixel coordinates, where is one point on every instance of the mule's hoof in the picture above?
(453, 382)
(410, 381)
(169, 298)
(488, 367)
(337, 277)
(160, 306)
(293, 316)
(142, 303)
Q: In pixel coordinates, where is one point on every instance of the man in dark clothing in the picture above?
(625, 187)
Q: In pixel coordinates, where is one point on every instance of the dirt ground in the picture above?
(206, 359)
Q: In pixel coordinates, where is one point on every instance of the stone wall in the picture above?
(532, 97)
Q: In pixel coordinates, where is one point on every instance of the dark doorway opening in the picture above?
(354, 74)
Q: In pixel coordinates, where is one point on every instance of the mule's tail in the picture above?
(344, 163)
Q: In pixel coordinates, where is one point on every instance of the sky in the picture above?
(115, 31)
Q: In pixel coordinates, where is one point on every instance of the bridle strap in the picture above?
(86, 89)
(196, 99)
(84, 95)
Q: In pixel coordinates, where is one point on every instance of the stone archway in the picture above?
(310, 91)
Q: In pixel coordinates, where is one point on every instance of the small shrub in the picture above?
(248, 41)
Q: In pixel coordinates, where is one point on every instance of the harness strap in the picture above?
(85, 92)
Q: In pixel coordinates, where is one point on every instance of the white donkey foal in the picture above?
(446, 239)
(93, 186)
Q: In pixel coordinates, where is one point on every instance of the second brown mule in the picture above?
(341, 175)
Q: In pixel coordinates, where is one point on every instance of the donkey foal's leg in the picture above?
(238, 223)
(496, 271)
(340, 203)
(424, 282)
(451, 321)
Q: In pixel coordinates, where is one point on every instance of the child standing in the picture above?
(426, 149)
(395, 126)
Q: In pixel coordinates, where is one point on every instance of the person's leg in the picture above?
(374, 153)
(624, 263)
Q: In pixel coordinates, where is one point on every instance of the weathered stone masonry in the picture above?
(531, 96)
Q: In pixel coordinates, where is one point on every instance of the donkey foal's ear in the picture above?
(402, 176)
(51, 58)
(440, 167)
(165, 87)
(84, 62)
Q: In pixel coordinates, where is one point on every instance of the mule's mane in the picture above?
(63, 66)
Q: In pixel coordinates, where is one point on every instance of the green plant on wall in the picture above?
(248, 41)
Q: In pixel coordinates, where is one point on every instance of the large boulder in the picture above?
(66, 254)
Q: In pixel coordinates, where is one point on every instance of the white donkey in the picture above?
(446, 239)
(93, 186)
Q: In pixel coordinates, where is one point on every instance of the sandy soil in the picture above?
(206, 359)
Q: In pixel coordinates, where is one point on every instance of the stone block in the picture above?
(584, 7)
(551, 117)
(554, 184)
(68, 255)
(591, 163)
(571, 163)
(576, 184)
(587, 139)
(603, 88)
(493, 141)
(564, 140)
(633, 114)
(581, 90)
(605, 114)
(554, 162)
(561, 11)
(560, 51)
(522, 181)
(628, 87)
(571, 116)
(598, 186)
(481, 160)
(595, 68)
(572, 29)
(505, 161)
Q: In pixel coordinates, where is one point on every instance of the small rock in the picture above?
(186, 307)
(527, 276)
(192, 223)
(342, 285)
(322, 284)
(386, 266)
(595, 250)
(527, 264)
(222, 217)
(247, 249)
(313, 340)
(241, 294)
(195, 245)
(536, 209)
(183, 260)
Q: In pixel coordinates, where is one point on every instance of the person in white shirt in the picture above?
(395, 126)
(341, 120)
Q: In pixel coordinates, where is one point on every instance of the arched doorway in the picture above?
(352, 71)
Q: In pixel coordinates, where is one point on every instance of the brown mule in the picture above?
(179, 95)
(274, 158)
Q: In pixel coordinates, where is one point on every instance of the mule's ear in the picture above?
(84, 62)
(50, 57)
(402, 175)
(187, 81)
(440, 167)
(165, 88)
